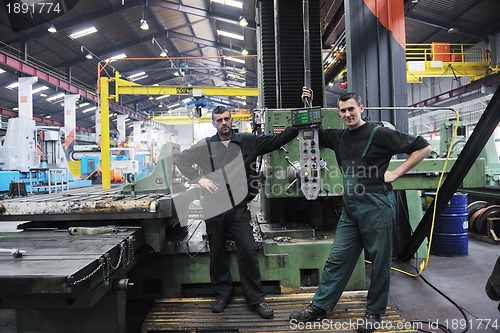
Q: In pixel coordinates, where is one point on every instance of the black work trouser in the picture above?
(234, 223)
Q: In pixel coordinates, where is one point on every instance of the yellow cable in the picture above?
(425, 263)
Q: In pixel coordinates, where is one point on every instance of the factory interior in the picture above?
(101, 232)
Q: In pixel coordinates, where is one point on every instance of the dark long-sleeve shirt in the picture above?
(234, 165)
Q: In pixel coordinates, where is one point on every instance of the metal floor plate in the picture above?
(194, 315)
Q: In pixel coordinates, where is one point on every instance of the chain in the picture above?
(88, 276)
(105, 271)
(130, 256)
(126, 250)
(120, 257)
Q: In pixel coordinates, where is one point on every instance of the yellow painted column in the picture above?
(105, 150)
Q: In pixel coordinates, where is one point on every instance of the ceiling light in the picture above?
(89, 109)
(144, 24)
(37, 90)
(232, 3)
(83, 32)
(52, 29)
(243, 21)
(116, 57)
(230, 34)
(244, 52)
(176, 73)
(453, 30)
(54, 97)
(238, 60)
(133, 76)
(13, 85)
(163, 53)
(89, 56)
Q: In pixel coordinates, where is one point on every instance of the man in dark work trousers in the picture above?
(229, 181)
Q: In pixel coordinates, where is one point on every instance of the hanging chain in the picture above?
(125, 257)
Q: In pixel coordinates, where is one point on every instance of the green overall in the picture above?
(366, 223)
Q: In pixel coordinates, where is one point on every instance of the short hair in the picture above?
(348, 96)
(219, 110)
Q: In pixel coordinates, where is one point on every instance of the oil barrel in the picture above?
(450, 236)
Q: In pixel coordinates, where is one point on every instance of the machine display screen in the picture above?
(306, 117)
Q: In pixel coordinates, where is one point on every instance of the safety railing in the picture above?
(447, 52)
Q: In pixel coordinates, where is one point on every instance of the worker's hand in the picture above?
(307, 95)
(208, 184)
(390, 176)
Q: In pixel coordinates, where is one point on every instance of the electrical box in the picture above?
(281, 168)
(441, 51)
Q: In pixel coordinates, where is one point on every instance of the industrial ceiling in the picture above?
(191, 36)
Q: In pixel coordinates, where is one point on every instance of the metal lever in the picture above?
(15, 252)
(291, 184)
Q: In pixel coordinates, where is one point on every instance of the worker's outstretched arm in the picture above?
(413, 159)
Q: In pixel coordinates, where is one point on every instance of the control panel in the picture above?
(308, 120)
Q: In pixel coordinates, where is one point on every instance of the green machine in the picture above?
(298, 180)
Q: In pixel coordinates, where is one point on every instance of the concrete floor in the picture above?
(462, 279)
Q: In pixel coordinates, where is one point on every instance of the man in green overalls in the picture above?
(363, 153)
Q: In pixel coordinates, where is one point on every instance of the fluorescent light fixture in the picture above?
(13, 85)
(238, 60)
(54, 97)
(231, 3)
(89, 109)
(37, 90)
(243, 21)
(116, 57)
(83, 32)
(236, 76)
(174, 105)
(137, 76)
(52, 29)
(43, 95)
(162, 97)
(83, 104)
(230, 34)
(144, 24)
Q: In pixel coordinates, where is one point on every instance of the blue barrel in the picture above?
(450, 236)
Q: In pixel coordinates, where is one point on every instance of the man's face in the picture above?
(350, 113)
(223, 123)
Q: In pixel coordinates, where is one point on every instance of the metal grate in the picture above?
(194, 315)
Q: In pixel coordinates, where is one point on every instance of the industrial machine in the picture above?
(34, 156)
(110, 246)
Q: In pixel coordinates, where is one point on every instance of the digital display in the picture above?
(306, 117)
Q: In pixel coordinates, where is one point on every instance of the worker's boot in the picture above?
(369, 323)
(311, 313)
(264, 310)
(220, 304)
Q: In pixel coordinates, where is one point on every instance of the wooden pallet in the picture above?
(194, 315)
